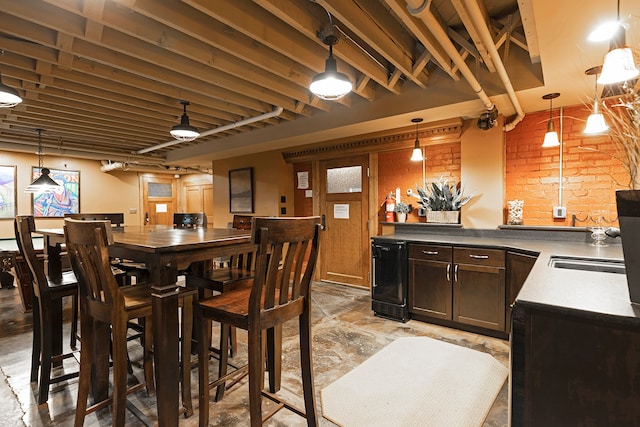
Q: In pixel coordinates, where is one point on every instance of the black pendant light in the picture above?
(184, 131)
(44, 183)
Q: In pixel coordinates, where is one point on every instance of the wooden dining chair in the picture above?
(48, 294)
(190, 220)
(287, 251)
(104, 305)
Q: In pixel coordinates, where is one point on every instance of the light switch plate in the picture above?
(559, 212)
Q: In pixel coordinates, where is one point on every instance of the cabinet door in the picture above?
(430, 288)
(479, 288)
(518, 268)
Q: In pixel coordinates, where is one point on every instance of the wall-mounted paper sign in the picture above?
(161, 208)
(341, 211)
(308, 193)
(303, 180)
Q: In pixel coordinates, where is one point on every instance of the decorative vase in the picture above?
(515, 212)
(628, 203)
(445, 217)
(401, 217)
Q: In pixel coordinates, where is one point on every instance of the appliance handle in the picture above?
(448, 272)
(455, 273)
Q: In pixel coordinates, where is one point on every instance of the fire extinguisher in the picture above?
(389, 207)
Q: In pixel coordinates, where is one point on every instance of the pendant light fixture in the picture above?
(619, 65)
(551, 137)
(595, 122)
(330, 85)
(9, 97)
(44, 183)
(184, 131)
(416, 155)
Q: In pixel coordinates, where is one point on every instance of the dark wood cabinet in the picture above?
(574, 368)
(519, 266)
(430, 285)
(457, 284)
(479, 287)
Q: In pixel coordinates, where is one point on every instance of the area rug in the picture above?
(416, 381)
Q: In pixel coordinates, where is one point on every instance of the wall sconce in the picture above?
(595, 122)
(618, 65)
(184, 131)
(330, 85)
(416, 154)
(551, 137)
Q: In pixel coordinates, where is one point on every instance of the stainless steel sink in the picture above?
(588, 264)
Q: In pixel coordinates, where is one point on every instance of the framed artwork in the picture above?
(63, 200)
(241, 190)
(7, 192)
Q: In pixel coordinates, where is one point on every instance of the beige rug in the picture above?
(416, 381)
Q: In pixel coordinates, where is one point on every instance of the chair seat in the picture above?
(220, 279)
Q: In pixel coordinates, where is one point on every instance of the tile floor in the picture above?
(345, 334)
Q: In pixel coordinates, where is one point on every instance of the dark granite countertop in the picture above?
(594, 293)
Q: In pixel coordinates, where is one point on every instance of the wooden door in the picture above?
(158, 199)
(199, 198)
(344, 190)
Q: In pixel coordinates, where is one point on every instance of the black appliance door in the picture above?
(389, 272)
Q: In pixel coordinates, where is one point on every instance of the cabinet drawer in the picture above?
(479, 256)
(430, 252)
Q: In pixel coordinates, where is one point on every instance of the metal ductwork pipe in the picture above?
(276, 112)
(420, 9)
(481, 27)
(108, 166)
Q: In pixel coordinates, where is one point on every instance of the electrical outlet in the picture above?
(559, 212)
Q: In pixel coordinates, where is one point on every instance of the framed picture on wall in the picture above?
(241, 190)
(63, 200)
(7, 192)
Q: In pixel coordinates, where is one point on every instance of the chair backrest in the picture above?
(190, 220)
(287, 251)
(23, 226)
(242, 222)
(88, 247)
(117, 219)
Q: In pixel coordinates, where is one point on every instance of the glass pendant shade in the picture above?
(416, 155)
(184, 131)
(330, 85)
(551, 137)
(619, 65)
(595, 122)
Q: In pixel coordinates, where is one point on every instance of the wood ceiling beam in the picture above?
(474, 33)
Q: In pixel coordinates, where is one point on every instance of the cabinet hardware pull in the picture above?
(430, 252)
(448, 272)
(455, 273)
(479, 256)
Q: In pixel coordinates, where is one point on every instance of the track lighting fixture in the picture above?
(184, 131)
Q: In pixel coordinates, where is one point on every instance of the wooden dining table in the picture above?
(165, 251)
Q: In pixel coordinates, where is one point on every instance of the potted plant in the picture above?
(442, 201)
(402, 209)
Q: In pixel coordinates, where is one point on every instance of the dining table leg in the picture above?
(53, 270)
(165, 336)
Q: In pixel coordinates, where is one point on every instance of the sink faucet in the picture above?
(612, 232)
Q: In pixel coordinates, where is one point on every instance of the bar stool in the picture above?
(287, 251)
(104, 307)
(48, 294)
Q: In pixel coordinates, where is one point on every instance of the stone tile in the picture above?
(345, 333)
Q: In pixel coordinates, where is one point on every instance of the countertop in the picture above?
(593, 293)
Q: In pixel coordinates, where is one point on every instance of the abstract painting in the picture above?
(63, 200)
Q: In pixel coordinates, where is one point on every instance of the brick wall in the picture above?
(590, 178)
(396, 170)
